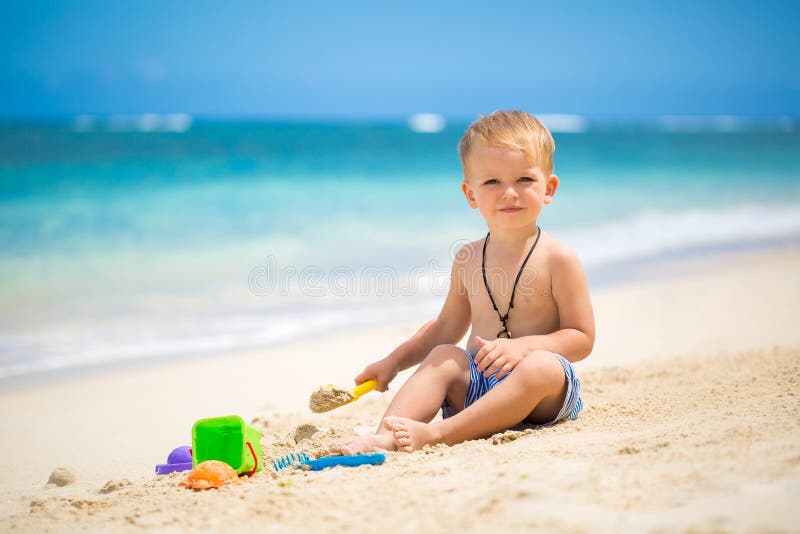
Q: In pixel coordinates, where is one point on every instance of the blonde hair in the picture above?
(512, 129)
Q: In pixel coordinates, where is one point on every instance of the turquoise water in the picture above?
(128, 244)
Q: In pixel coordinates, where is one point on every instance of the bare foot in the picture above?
(361, 444)
(410, 435)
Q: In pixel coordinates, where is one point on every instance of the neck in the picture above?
(516, 237)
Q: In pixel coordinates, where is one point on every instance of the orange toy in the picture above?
(209, 474)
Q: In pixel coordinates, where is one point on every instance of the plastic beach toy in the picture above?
(227, 439)
(361, 389)
(209, 474)
(180, 459)
(302, 459)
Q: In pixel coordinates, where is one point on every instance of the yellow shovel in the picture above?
(363, 388)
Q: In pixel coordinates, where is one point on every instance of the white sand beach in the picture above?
(692, 423)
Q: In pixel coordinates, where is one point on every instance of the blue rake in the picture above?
(300, 459)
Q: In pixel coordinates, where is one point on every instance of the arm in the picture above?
(449, 327)
(575, 337)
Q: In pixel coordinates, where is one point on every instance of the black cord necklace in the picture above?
(504, 332)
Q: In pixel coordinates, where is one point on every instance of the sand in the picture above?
(692, 423)
(326, 398)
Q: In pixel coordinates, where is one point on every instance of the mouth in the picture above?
(511, 209)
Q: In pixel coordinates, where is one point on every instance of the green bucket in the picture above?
(227, 439)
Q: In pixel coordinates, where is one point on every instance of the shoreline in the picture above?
(616, 275)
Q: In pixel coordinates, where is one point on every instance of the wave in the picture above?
(426, 123)
(156, 338)
(655, 233)
(147, 122)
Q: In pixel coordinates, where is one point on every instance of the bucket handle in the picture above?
(255, 458)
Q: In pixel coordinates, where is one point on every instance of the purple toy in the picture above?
(180, 459)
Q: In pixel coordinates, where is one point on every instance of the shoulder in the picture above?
(465, 254)
(466, 259)
(560, 256)
(566, 272)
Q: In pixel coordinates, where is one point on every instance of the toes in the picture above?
(341, 446)
(389, 423)
(396, 425)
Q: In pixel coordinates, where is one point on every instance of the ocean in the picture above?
(126, 240)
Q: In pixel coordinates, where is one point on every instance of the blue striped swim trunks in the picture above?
(479, 385)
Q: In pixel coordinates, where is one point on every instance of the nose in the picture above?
(510, 192)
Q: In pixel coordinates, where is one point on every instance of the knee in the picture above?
(541, 369)
(446, 355)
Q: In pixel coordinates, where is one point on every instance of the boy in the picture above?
(524, 294)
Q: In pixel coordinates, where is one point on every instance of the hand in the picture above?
(383, 372)
(500, 355)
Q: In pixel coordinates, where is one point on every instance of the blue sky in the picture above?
(376, 59)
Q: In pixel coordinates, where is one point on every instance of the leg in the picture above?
(534, 391)
(443, 375)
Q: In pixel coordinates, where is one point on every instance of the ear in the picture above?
(469, 194)
(550, 190)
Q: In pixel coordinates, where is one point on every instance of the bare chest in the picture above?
(534, 310)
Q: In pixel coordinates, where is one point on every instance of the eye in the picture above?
(491, 181)
(527, 179)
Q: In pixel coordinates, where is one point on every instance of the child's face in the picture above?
(506, 187)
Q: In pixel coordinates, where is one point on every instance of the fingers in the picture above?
(485, 349)
(481, 360)
(383, 384)
(487, 360)
(363, 376)
(504, 371)
(383, 381)
(367, 374)
(496, 365)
